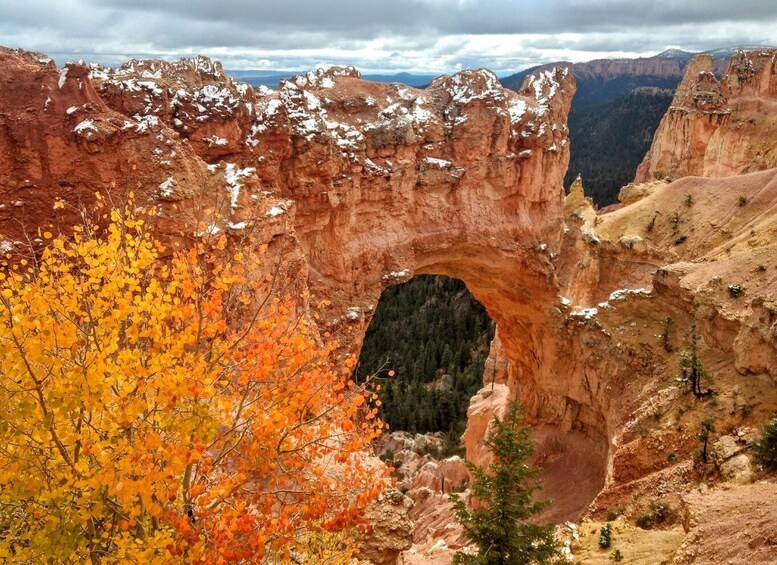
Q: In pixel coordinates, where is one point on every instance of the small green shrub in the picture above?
(736, 290)
(605, 536)
(766, 447)
(680, 240)
(645, 521)
(688, 200)
(651, 224)
(617, 555)
(662, 512)
(742, 200)
(658, 514)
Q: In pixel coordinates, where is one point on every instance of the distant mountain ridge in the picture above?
(664, 70)
(595, 78)
(724, 53)
(271, 79)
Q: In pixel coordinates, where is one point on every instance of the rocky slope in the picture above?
(678, 258)
(356, 186)
(718, 127)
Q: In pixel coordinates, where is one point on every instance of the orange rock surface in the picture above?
(718, 128)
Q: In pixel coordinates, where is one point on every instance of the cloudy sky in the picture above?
(381, 35)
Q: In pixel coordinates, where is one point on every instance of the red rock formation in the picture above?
(718, 128)
(192, 96)
(60, 141)
(377, 181)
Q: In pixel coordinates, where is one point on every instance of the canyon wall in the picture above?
(717, 127)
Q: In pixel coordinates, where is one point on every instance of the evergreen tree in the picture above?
(707, 428)
(692, 370)
(503, 501)
(766, 447)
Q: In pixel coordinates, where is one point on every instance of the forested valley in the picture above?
(435, 337)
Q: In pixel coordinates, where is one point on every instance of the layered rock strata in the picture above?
(718, 128)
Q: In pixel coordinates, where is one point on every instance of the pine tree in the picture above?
(692, 369)
(503, 501)
(707, 428)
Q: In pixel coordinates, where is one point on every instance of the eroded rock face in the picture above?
(427, 479)
(420, 462)
(192, 96)
(631, 193)
(718, 128)
(60, 141)
(391, 531)
(490, 402)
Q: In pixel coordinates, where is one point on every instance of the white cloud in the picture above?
(415, 35)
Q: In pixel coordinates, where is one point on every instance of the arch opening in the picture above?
(435, 337)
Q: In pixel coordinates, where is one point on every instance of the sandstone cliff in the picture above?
(718, 128)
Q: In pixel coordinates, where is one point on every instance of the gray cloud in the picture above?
(420, 35)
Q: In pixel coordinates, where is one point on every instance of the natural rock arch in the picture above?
(486, 209)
